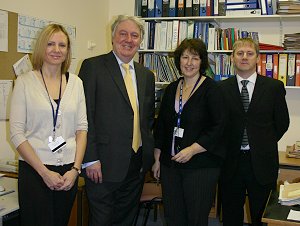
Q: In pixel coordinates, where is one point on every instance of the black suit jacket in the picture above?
(266, 121)
(110, 115)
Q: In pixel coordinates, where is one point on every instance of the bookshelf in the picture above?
(271, 30)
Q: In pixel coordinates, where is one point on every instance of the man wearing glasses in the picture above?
(257, 119)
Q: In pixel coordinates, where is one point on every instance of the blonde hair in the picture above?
(41, 45)
(246, 41)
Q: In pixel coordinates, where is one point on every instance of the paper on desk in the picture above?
(294, 215)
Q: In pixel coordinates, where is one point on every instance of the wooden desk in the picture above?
(276, 214)
(289, 168)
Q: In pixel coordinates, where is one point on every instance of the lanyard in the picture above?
(54, 115)
(180, 100)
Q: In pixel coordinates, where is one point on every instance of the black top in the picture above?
(203, 121)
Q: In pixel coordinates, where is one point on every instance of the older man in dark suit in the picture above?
(120, 107)
(258, 118)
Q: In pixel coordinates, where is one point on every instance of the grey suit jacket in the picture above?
(266, 120)
(110, 115)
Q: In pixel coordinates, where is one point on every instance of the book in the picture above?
(175, 34)
(180, 8)
(211, 38)
(158, 8)
(297, 79)
(243, 12)
(275, 65)
(190, 28)
(290, 79)
(202, 8)
(188, 7)
(269, 65)
(151, 8)
(165, 8)
(144, 7)
(215, 7)
(263, 58)
(208, 7)
(282, 70)
(241, 6)
(169, 35)
(239, 1)
(263, 6)
(269, 7)
(196, 5)
(172, 8)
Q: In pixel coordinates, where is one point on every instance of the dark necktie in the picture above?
(245, 101)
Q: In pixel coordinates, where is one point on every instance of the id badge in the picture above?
(57, 144)
(178, 132)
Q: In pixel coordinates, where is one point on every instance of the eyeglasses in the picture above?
(241, 54)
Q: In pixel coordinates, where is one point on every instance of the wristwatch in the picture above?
(75, 168)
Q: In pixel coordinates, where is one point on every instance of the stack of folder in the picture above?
(289, 194)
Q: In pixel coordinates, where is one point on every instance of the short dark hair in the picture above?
(195, 46)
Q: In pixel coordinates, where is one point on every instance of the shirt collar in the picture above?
(120, 62)
(251, 79)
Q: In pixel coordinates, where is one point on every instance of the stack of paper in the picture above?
(288, 7)
(289, 194)
(291, 41)
(294, 150)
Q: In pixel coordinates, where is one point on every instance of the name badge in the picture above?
(178, 132)
(57, 144)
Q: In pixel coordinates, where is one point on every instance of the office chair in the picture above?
(150, 199)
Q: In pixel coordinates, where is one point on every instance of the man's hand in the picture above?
(94, 172)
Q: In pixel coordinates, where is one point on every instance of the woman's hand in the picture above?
(156, 170)
(187, 153)
(156, 165)
(69, 180)
(53, 180)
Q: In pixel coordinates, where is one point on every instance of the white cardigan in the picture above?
(31, 117)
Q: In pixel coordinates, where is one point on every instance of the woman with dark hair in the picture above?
(188, 151)
(48, 127)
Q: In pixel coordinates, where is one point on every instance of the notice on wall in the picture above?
(30, 27)
(3, 31)
(5, 95)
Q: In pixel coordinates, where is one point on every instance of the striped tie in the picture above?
(245, 101)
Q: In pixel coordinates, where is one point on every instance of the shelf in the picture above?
(228, 18)
(217, 51)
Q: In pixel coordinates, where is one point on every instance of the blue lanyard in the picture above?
(54, 115)
(180, 100)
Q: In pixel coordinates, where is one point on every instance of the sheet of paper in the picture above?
(294, 215)
(23, 65)
(5, 94)
(3, 31)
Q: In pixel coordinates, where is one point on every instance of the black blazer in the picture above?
(266, 120)
(203, 121)
(110, 115)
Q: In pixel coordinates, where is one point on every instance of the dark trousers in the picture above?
(116, 203)
(38, 204)
(188, 195)
(234, 192)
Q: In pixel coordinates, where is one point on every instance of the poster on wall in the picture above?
(3, 31)
(5, 95)
(29, 28)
